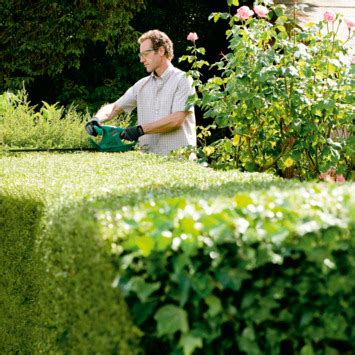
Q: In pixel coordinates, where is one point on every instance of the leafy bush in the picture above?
(205, 259)
(50, 126)
(283, 95)
(267, 272)
(56, 292)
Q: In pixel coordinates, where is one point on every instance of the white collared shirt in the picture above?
(156, 97)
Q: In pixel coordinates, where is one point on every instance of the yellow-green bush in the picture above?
(20, 275)
(25, 126)
(204, 259)
(56, 294)
(50, 126)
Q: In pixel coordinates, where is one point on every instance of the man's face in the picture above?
(150, 59)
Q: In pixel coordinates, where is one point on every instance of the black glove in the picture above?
(132, 133)
(89, 127)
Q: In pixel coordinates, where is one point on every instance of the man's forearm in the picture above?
(108, 112)
(166, 124)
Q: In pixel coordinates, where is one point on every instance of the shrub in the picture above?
(20, 277)
(283, 95)
(260, 272)
(25, 126)
(56, 267)
(204, 259)
(49, 127)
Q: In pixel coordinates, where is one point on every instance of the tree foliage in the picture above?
(85, 52)
(45, 38)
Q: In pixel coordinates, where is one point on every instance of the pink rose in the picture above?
(349, 23)
(331, 176)
(192, 36)
(260, 10)
(244, 13)
(353, 59)
(340, 178)
(329, 16)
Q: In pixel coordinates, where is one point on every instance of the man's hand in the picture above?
(132, 133)
(89, 127)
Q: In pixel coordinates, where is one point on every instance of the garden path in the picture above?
(315, 9)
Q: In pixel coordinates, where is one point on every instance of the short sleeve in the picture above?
(183, 92)
(127, 102)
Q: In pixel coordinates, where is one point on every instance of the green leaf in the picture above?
(281, 20)
(142, 311)
(247, 341)
(279, 11)
(231, 278)
(203, 284)
(145, 244)
(214, 304)
(171, 319)
(141, 288)
(189, 343)
(182, 291)
(215, 16)
(225, 15)
(242, 201)
(307, 350)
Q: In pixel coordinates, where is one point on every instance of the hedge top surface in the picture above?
(111, 181)
(73, 177)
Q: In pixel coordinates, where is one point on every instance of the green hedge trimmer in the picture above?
(111, 140)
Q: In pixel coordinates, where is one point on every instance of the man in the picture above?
(165, 122)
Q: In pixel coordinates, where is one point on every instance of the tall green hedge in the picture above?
(204, 260)
(20, 278)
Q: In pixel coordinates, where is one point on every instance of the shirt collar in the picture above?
(166, 73)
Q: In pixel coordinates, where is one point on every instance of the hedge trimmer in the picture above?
(110, 142)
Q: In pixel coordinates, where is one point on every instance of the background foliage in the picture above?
(47, 45)
(85, 52)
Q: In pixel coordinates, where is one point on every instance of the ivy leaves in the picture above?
(231, 263)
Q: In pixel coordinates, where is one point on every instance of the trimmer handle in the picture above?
(93, 127)
(111, 140)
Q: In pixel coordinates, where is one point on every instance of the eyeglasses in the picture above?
(145, 53)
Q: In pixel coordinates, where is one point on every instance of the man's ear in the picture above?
(161, 51)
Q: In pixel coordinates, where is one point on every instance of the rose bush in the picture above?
(283, 94)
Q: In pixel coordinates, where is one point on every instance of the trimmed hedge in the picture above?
(60, 299)
(19, 281)
(204, 259)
